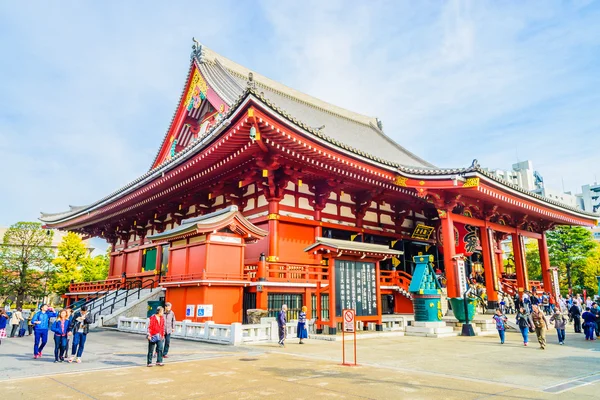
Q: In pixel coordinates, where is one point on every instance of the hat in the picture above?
(42, 305)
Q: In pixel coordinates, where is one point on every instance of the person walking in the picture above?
(41, 325)
(575, 314)
(281, 323)
(169, 328)
(60, 327)
(596, 311)
(156, 337)
(560, 323)
(301, 328)
(524, 322)
(500, 319)
(15, 321)
(3, 322)
(589, 324)
(80, 323)
(541, 325)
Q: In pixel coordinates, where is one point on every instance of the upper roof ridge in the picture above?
(208, 55)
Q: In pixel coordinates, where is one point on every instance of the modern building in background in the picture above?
(589, 199)
(524, 176)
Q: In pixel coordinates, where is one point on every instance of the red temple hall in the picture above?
(260, 195)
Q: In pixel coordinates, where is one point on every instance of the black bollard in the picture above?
(467, 328)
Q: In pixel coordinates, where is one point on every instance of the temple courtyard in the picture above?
(389, 368)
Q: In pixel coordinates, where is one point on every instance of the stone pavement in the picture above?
(390, 368)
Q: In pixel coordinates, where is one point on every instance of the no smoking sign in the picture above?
(349, 325)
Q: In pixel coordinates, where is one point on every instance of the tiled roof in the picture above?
(356, 133)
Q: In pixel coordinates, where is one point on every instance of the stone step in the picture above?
(433, 335)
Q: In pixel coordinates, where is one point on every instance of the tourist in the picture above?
(41, 324)
(527, 301)
(169, 328)
(589, 324)
(3, 323)
(69, 310)
(575, 315)
(30, 321)
(546, 303)
(596, 311)
(500, 319)
(60, 327)
(281, 321)
(80, 326)
(541, 325)
(552, 304)
(534, 300)
(560, 323)
(15, 321)
(301, 329)
(524, 322)
(156, 337)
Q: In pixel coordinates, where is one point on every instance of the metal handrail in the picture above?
(128, 293)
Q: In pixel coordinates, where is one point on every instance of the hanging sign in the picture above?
(422, 232)
(205, 310)
(189, 310)
(461, 274)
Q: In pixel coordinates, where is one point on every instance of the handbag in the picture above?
(155, 338)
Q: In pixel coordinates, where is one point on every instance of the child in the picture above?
(3, 323)
(500, 324)
(559, 323)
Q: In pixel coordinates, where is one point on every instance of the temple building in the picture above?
(261, 195)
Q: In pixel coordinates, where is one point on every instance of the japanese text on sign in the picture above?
(355, 287)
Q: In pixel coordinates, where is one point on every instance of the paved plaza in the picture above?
(390, 368)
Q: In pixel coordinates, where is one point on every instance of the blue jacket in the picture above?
(3, 321)
(56, 327)
(44, 318)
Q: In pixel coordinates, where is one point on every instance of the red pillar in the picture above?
(273, 231)
(332, 315)
(545, 263)
(379, 325)
(449, 251)
(500, 257)
(488, 267)
(522, 281)
(318, 233)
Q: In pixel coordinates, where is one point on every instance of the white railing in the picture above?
(233, 334)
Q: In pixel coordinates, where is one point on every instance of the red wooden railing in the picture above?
(510, 286)
(395, 278)
(94, 286)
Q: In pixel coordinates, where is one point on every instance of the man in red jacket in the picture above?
(156, 336)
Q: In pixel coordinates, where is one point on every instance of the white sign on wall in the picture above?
(205, 310)
(189, 310)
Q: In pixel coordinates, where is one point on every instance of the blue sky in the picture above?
(87, 89)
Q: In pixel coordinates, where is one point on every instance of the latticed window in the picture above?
(324, 307)
(293, 301)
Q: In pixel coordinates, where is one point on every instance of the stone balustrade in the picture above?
(234, 334)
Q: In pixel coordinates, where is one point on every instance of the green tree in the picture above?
(532, 258)
(25, 260)
(72, 255)
(585, 272)
(569, 247)
(95, 268)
